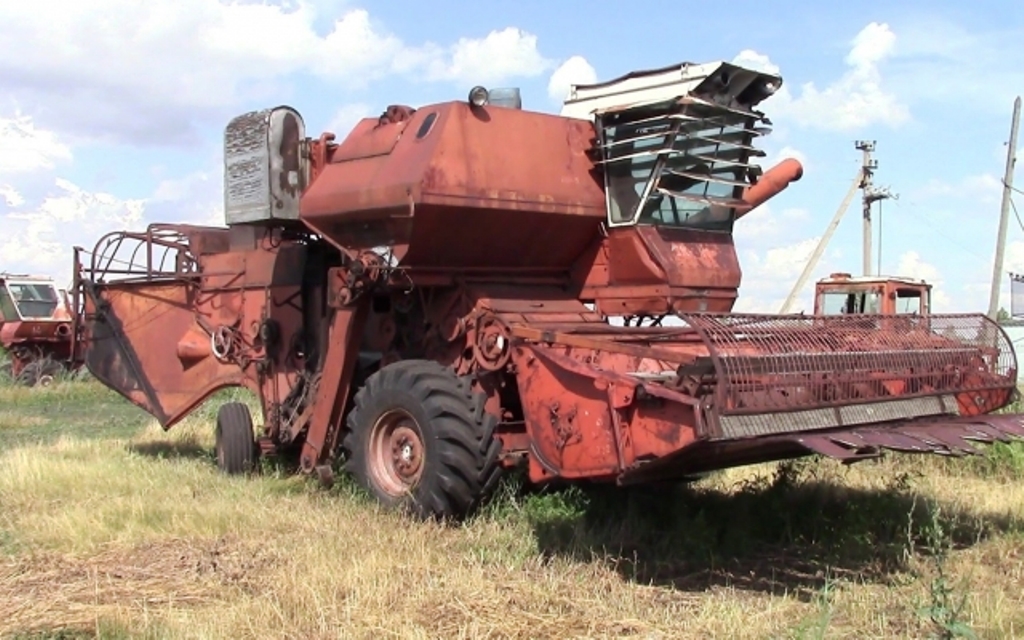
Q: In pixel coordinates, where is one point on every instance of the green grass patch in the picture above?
(42, 415)
(111, 527)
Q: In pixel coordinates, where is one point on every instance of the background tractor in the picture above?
(841, 293)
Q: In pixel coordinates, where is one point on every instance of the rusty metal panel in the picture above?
(775, 370)
(264, 172)
(953, 437)
(371, 138)
(470, 193)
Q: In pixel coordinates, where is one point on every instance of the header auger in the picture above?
(427, 301)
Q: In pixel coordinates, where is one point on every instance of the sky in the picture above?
(112, 111)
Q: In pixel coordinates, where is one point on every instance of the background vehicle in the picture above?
(35, 327)
(841, 293)
(428, 302)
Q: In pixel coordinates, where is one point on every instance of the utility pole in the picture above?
(869, 195)
(1004, 214)
(862, 180)
(816, 254)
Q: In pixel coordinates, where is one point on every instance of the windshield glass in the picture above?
(679, 164)
(34, 300)
(843, 302)
(909, 301)
(8, 311)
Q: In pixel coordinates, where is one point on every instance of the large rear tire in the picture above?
(418, 439)
(235, 439)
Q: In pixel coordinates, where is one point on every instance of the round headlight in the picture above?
(478, 96)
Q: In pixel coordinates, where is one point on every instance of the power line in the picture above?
(1017, 215)
(1010, 186)
(933, 228)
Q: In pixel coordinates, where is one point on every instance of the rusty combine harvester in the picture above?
(35, 328)
(429, 301)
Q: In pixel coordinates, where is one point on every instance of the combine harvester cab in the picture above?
(429, 301)
(35, 328)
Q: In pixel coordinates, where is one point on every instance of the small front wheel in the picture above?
(236, 439)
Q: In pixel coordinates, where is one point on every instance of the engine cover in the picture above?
(264, 168)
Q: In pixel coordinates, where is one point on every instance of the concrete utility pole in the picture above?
(1004, 214)
(869, 195)
(862, 180)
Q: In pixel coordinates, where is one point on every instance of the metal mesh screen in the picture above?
(768, 364)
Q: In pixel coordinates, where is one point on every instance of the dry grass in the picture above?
(117, 529)
(19, 420)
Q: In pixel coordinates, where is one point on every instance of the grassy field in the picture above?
(111, 528)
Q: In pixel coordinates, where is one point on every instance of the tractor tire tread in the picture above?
(235, 435)
(467, 453)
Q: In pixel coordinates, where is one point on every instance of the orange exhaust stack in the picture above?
(770, 185)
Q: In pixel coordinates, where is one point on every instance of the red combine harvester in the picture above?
(429, 301)
(35, 328)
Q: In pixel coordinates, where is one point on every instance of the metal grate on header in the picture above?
(771, 364)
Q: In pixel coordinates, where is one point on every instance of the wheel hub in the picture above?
(406, 452)
(396, 452)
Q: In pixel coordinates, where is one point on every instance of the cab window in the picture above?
(909, 301)
(847, 302)
(34, 300)
(7, 308)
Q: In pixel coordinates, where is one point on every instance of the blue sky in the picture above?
(111, 111)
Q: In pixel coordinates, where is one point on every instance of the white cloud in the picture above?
(1014, 257)
(24, 148)
(196, 198)
(11, 196)
(499, 56)
(873, 44)
(39, 240)
(765, 224)
(943, 61)
(854, 101)
(978, 188)
(575, 70)
(347, 117)
(912, 266)
(757, 61)
(770, 272)
(175, 189)
(46, 216)
(786, 263)
(153, 70)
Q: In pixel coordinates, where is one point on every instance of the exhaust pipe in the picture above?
(771, 184)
